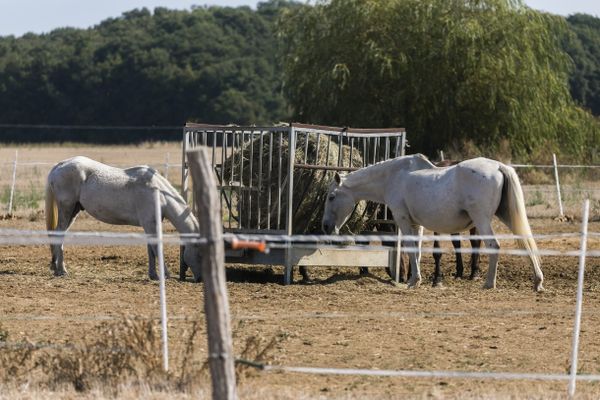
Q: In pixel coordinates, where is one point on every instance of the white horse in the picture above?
(115, 196)
(444, 200)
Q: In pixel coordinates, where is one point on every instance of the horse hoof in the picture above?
(437, 284)
(538, 288)
(414, 284)
(60, 274)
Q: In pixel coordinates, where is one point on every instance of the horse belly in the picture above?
(449, 222)
(438, 210)
(110, 208)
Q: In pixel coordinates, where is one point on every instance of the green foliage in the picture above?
(584, 49)
(449, 71)
(209, 64)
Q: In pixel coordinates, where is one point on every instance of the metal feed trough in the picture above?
(243, 178)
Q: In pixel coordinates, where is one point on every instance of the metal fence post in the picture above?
(167, 166)
(216, 302)
(13, 183)
(290, 200)
(577, 326)
(560, 206)
(161, 275)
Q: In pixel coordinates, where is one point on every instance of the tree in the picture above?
(449, 71)
(584, 49)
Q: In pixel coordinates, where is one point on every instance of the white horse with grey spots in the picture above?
(115, 196)
(444, 200)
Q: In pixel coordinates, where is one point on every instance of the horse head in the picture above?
(338, 206)
(192, 257)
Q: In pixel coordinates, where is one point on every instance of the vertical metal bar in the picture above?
(317, 153)
(351, 151)
(279, 183)
(184, 186)
(269, 173)
(260, 172)
(365, 151)
(240, 187)
(290, 200)
(224, 178)
(167, 165)
(580, 275)
(306, 147)
(13, 183)
(214, 148)
(386, 157)
(327, 152)
(184, 190)
(250, 177)
(403, 144)
(558, 196)
(375, 146)
(161, 277)
(340, 148)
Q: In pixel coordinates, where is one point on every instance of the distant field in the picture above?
(31, 178)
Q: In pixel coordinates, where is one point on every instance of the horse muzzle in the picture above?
(328, 228)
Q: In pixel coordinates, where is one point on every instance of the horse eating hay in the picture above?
(444, 200)
(115, 196)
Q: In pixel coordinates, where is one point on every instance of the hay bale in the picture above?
(310, 185)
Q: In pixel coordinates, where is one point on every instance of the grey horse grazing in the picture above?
(444, 200)
(115, 196)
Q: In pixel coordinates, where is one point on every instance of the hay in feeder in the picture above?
(310, 185)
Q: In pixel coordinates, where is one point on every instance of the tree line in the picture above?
(487, 73)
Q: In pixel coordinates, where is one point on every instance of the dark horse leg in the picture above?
(437, 256)
(459, 261)
(475, 245)
(437, 273)
(304, 273)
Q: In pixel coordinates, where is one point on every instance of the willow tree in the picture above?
(447, 70)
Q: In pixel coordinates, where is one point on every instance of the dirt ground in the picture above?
(340, 320)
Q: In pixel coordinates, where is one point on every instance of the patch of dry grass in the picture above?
(123, 360)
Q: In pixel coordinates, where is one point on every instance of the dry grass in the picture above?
(123, 358)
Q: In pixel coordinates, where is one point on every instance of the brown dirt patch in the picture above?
(340, 320)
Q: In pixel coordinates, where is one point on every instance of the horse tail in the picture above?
(51, 209)
(513, 213)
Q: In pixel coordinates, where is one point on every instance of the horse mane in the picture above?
(170, 189)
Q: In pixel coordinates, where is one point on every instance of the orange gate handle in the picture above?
(248, 244)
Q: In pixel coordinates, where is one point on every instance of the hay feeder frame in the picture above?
(243, 200)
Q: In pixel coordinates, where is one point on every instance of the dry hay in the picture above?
(310, 185)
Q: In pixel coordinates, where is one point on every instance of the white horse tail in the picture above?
(514, 215)
(51, 209)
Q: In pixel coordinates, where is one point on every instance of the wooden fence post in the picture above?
(216, 303)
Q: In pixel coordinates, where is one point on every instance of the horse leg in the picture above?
(437, 274)
(415, 274)
(363, 270)
(150, 229)
(304, 273)
(459, 260)
(484, 227)
(66, 215)
(152, 254)
(475, 245)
